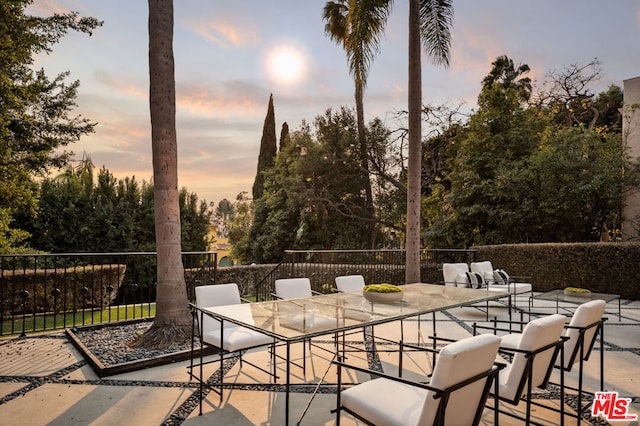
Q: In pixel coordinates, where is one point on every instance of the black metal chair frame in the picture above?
(579, 350)
(197, 321)
(527, 375)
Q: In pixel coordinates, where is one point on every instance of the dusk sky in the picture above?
(231, 55)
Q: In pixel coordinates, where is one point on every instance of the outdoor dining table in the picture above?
(295, 320)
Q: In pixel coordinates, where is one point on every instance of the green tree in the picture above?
(520, 173)
(576, 182)
(77, 213)
(36, 112)
(239, 228)
(268, 149)
(489, 155)
(195, 217)
(223, 216)
(314, 193)
(172, 323)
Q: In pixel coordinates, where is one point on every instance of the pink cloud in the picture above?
(225, 35)
(122, 86)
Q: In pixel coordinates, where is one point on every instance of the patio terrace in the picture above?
(44, 380)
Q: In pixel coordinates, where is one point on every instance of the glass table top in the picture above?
(294, 319)
(560, 296)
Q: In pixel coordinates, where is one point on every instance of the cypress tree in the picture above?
(267, 149)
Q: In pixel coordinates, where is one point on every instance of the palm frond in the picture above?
(436, 20)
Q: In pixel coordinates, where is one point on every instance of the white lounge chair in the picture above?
(499, 280)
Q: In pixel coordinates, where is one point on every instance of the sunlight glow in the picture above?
(286, 64)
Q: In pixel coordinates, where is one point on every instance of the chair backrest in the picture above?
(292, 288)
(348, 283)
(485, 268)
(457, 362)
(451, 270)
(536, 335)
(216, 295)
(586, 315)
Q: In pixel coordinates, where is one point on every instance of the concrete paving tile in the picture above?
(67, 404)
(9, 388)
(37, 356)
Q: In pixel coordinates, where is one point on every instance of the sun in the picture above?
(285, 64)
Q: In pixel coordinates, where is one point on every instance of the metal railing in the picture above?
(376, 266)
(40, 292)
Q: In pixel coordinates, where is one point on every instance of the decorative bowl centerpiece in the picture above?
(382, 293)
(577, 291)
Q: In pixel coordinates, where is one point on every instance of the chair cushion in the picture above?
(587, 313)
(462, 280)
(482, 267)
(386, 402)
(513, 288)
(456, 362)
(348, 283)
(236, 338)
(216, 295)
(536, 334)
(378, 401)
(291, 288)
(451, 270)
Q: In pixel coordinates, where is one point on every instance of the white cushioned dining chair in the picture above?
(349, 283)
(533, 353)
(455, 395)
(582, 332)
(297, 317)
(229, 337)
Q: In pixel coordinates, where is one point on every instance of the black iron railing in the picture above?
(41, 292)
(376, 266)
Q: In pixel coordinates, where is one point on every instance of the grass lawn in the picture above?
(59, 321)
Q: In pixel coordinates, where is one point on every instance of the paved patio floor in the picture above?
(45, 381)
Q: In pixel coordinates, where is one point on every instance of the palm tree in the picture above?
(430, 22)
(505, 74)
(172, 323)
(358, 26)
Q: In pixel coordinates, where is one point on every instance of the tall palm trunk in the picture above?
(172, 322)
(364, 162)
(412, 272)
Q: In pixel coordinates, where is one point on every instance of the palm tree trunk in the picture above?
(173, 321)
(412, 272)
(364, 162)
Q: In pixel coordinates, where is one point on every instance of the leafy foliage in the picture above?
(314, 195)
(520, 171)
(76, 214)
(36, 112)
